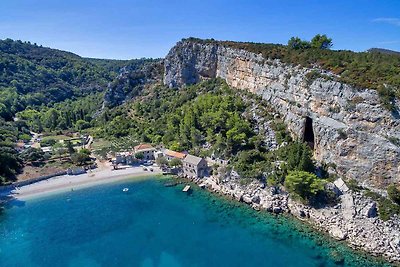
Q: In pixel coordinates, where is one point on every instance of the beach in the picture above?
(65, 183)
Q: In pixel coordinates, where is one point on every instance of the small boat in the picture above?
(125, 189)
(170, 184)
(186, 189)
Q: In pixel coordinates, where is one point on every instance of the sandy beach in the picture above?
(72, 182)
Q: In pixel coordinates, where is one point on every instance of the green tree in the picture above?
(85, 151)
(51, 119)
(394, 193)
(59, 149)
(298, 156)
(296, 43)
(321, 42)
(139, 155)
(70, 147)
(32, 154)
(161, 161)
(175, 162)
(304, 184)
(82, 125)
(80, 158)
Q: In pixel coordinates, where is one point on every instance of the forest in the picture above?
(50, 90)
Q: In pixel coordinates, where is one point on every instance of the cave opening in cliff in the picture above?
(308, 135)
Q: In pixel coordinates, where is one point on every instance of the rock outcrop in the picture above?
(348, 128)
(131, 80)
(353, 218)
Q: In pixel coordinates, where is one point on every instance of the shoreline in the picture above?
(67, 183)
(367, 235)
(259, 199)
(304, 225)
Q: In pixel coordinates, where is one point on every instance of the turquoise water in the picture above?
(154, 225)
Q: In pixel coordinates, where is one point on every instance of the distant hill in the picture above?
(32, 75)
(383, 51)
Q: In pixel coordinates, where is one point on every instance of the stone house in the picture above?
(124, 158)
(194, 166)
(147, 150)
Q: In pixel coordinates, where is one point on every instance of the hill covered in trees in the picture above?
(52, 89)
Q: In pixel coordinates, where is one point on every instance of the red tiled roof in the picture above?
(143, 147)
(174, 154)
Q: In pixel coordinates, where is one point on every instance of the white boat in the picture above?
(125, 189)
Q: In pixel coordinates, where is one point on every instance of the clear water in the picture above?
(154, 225)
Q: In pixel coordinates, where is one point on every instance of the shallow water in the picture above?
(154, 225)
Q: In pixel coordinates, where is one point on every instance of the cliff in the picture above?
(131, 80)
(348, 128)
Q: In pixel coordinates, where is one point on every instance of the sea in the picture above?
(152, 224)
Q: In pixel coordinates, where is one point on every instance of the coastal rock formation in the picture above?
(348, 128)
(351, 219)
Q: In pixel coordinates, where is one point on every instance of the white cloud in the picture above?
(392, 21)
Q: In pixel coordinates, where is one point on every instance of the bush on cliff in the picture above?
(394, 193)
(304, 184)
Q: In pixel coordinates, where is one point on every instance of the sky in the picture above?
(122, 29)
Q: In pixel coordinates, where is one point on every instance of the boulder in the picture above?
(247, 199)
(277, 210)
(256, 199)
(348, 206)
(337, 233)
(331, 187)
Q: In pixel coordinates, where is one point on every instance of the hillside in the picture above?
(31, 75)
(317, 89)
(383, 51)
(342, 122)
(52, 89)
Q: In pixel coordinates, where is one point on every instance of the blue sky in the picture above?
(125, 29)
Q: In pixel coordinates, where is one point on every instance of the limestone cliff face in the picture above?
(131, 80)
(351, 129)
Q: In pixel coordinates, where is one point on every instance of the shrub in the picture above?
(299, 157)
(32, 154)
(175, 162)
(395, 141)
(161, 161)
(386, 208)
(304, 184)
(394, 193)
(387, 96)
(352, 184)
(342, 134)
(48, 142)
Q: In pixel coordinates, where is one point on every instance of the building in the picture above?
(170, 154)
(76, 171)
(194, 166)
(124, 158)
(147, 150)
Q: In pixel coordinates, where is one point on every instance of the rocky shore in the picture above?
(353, 219)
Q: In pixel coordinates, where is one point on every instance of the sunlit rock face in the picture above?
(350, 128)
